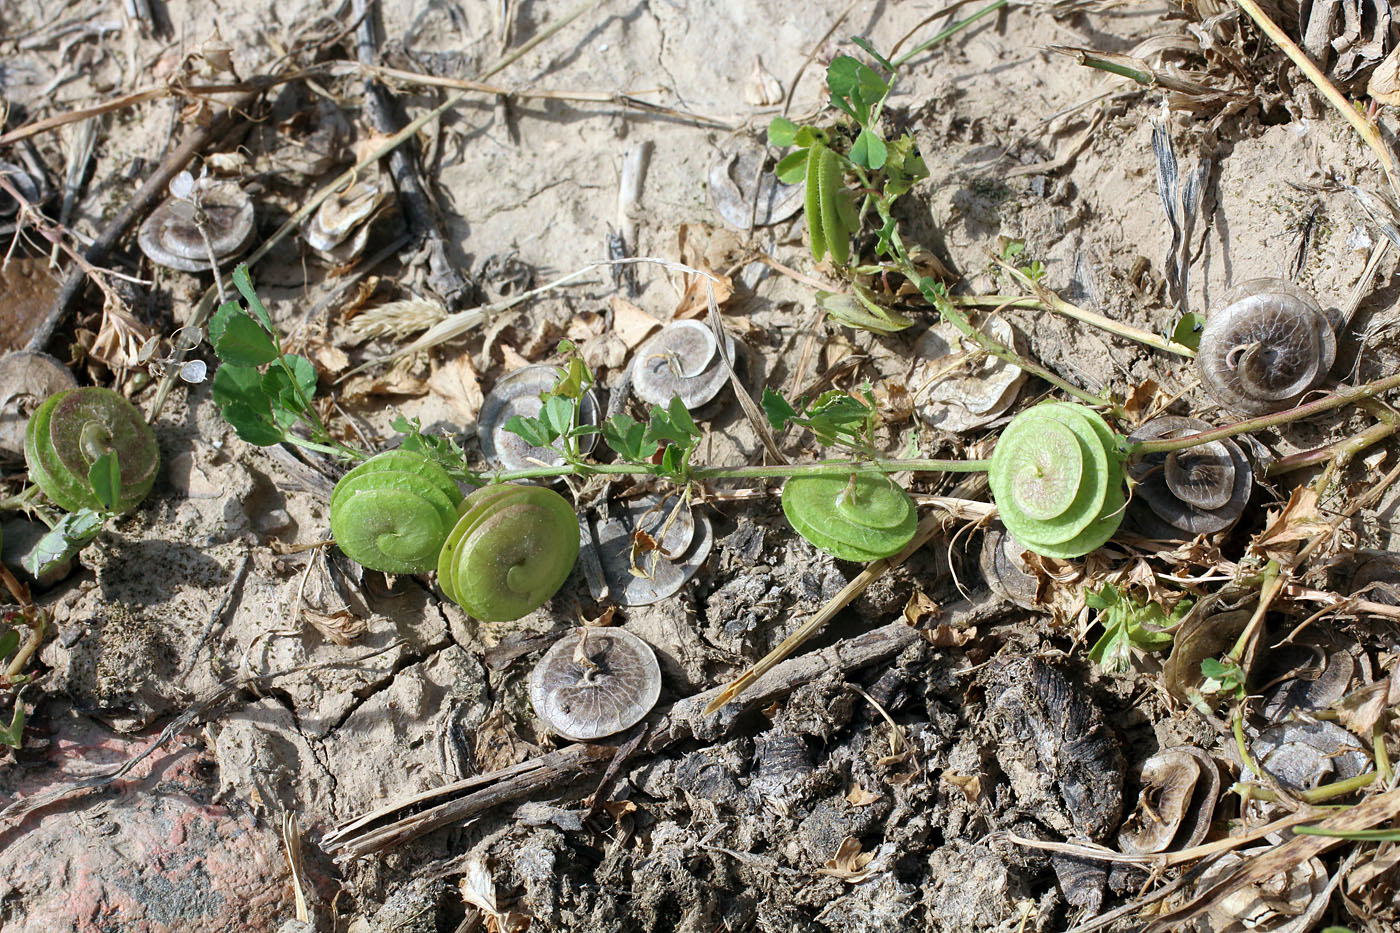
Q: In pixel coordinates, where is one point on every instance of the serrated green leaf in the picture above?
(869, 150)
(870, 86)
(778, 409)
(105, 478)
(626, 436)
(793, 167)
(843, 75)
(239, 384)
(558, 414)
(254, 426)
(244, 284)
(291, 392)
(782, 132)
(238, 339)
(534, 431)
(672, 424)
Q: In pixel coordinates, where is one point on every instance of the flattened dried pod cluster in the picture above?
(500, 553)
(1199, 490)
(958, 391)
(1057, 479)
(1180, 788)
(1267, 347)
(170, 236)
(70, 430)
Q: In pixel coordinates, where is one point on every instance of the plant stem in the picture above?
(951, 30)
(994, 347)
(1342, 396)
(1053, 302)
(1319, 794)
(820, 468)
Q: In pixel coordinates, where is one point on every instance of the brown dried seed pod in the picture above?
(594, 683)
(1267, 347)
(1004, 570)
(339, 228)
(1199, 490)
(171, 238)
(1180, 788)
(682, 359)
(957, 391)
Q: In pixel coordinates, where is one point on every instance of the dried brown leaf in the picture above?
(456, 382)
(849, 863)
(1297, 521)
(969, 784)
(631, 323)
(858, 796)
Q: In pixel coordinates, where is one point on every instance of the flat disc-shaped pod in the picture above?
(26, 380)
(860, 517)
(393, 512)
(518, 393)
(1199, 490)
(1057, 480)
(1302, 755)
(1271, 343)
(685, 543)
(681, 360)
(595, 682)
(1180, 788)
(510, 551)
(1306, 687)
(339, 228)
(957, 391)
(1200, 636)
(70, 430)
(732, 179)
(170, 237)
(1004, 570)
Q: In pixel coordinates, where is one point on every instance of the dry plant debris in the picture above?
(345, 480)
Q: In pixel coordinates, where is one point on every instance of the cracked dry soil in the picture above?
(745, 826)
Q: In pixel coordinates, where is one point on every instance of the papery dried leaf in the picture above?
(1384, 86)
(343, 627)
(849, 862)
(584, 325)
(1361, 709)
(969, 784)
(920, 609)
(397, 380)
(1298, 520)
(1143, 400)
(512, 359)
(762, 89)
(703, 247)
(858, 796)
(630, 322)
(456, 382)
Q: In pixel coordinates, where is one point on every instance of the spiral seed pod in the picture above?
(1057, 479)
(598, 684)
(1199, 490)
(1266, 348)
(394, 511)
(72, 429)
(862, 517)
(170, 236)
(511, 549)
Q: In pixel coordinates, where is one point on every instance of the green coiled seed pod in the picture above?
(71, 429)
(510, 551)
(862, 517)
(1057, 479)
(394, 511)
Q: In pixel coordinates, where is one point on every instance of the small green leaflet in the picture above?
(13, 734)
(255, 305)
(782, 132)
(1188, 330)
(1128, 623)
(238, 339)
(673, 424)
(9, 643)
(239, 393)
(627, 437)
(869, 150)
(105, 478)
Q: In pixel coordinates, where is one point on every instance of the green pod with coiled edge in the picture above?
(71, 429)
(510, 551)
(861, 517)
(394, 511)
(1057, 479)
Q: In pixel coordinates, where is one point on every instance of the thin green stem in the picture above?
(950, 31)
(776, 471)
(1344, 395)
(1053, 302)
